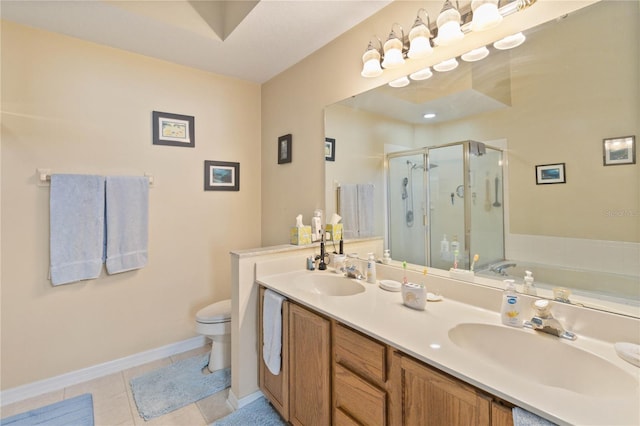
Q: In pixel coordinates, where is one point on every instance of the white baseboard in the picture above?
(234, 403)
(30, 390)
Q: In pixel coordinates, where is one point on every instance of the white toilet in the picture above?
(214, 321)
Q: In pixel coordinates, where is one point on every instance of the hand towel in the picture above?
(365, 210)
(522, 417)
(127, 217)
(349, 210)
(76, 217)
(272, 330)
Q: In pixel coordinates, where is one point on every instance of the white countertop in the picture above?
(424, 335)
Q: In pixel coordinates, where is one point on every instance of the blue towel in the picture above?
(127, 222)
(77, 411)
(76, 227)
(522, 417)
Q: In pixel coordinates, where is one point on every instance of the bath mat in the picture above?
(77, 411)
(182, 383)
(259, 412)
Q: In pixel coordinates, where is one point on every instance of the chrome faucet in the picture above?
(544, 321)
(500, 268)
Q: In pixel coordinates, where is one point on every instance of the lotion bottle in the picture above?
(371, 269)
(529, 287)
(511, 305)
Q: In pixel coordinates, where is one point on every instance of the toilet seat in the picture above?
(216, 313)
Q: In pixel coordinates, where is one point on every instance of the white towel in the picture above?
(127, 217)
(272, 330)
(76, 227)
(365, 210)
(349, 210)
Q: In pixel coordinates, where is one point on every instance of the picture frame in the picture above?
(550, 173)
(329, 149)
(221, 176)
(619, 151)
(284, 148)
(173, 129)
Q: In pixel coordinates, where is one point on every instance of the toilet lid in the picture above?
(214, 313)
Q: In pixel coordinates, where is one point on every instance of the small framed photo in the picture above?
(329, 149)
(173, 129)
(284, 149)
(221, 176)
(617, 151)
(550, 173)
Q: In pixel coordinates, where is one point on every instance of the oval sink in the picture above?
(544, 359)
(331, 285)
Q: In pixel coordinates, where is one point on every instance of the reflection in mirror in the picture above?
(552, 100)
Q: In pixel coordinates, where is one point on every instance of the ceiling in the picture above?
(249, 40)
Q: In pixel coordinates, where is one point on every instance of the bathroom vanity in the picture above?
(354, 354)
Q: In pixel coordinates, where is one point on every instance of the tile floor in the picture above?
(113, 403)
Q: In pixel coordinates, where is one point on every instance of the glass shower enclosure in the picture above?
(445, 204)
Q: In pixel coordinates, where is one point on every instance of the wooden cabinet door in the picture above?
(501, 415)
(275, 388)
(431, 398)
(310, 368)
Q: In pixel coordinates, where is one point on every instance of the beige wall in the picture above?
(294, 101)
(77, 107)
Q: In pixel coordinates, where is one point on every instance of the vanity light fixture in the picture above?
(448, 65)
(475, 54)
(420, 37)
(509, 42)
(448, 25)
(422, 74)
(399, 82)
(429, 115)
(485, 15)
(393, 50)
(371, 61)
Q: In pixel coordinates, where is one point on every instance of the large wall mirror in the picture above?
(553, 100)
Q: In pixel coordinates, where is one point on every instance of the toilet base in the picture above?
(220, 356)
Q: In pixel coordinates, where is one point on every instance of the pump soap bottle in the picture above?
(511, 305)
(371, 269)
(529, 287)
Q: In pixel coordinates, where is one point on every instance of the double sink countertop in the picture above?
(567, 382)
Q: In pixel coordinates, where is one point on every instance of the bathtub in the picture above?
(624, 289)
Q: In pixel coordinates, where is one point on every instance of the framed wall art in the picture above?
(221, 176)
(284, 149)
(173, 129)
(617, 151)
(330, 149)
(550, 173)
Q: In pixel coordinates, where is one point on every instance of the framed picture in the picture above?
(173, 129)
(221, 176)
(284, 149)
(329, 149)
(550, 173)
(616, 151)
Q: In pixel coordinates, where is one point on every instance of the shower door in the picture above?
(406, 181)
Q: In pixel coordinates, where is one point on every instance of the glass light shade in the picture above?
(476, 54)
(419, 44)
(393, 53)
(509, 42)
(399, 82)
(485, 15)
(371, 64)
(423, 74)
(448, 26)
(448, 65)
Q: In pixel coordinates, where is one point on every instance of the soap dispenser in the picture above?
(529, 287)
(511, 305)
(371, 269)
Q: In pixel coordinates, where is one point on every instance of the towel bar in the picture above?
(44, 177)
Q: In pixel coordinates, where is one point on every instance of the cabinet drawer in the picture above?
(360, 353)
(362, 401)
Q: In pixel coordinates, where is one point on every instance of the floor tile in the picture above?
(215, 406)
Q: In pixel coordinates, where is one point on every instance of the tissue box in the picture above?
(334, 232)
(300, 236)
